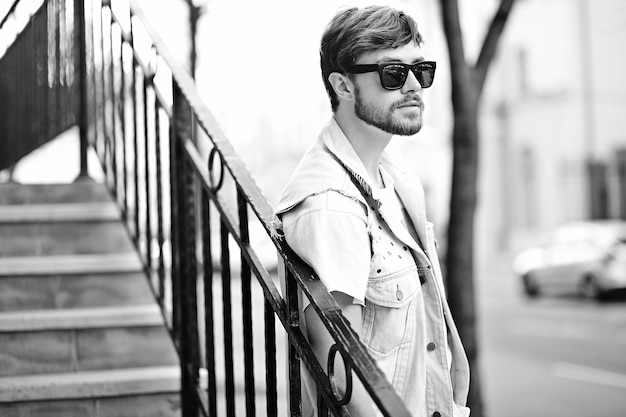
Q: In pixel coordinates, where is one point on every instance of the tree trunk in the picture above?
(460, 253)
(467, 86)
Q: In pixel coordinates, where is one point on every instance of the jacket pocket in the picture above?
(386, 318)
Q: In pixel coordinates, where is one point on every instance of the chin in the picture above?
(407, 129)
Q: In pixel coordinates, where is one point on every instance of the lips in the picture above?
(412, 103)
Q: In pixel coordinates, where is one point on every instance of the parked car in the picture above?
(588, 257)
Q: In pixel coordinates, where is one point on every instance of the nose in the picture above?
(411, 83)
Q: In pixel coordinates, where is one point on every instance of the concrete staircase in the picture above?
(80, 332)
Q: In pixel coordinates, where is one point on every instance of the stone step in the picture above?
(90, 384)
(70, 264)
(48, 292)
(67, 212)
(136, 405)
(80, 318)
(80, 331)
(40, 342)
(78, 192)
(67, 238)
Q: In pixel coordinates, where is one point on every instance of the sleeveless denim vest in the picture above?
(407, 325)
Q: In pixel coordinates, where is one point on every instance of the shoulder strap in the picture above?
(360, 184)
(366, 191)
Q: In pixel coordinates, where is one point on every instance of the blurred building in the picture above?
(554, 121)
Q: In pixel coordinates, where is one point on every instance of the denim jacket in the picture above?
(407, 324)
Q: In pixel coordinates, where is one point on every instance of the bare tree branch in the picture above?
(452, 31)
(490, 43)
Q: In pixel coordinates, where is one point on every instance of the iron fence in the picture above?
(37, 78)
(196, 216)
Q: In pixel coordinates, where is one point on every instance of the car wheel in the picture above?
(531, 288)
(589, 288)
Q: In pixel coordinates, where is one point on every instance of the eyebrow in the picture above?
(385, 60)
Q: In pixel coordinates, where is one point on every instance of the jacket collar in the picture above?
(317, 173)
(337, 142)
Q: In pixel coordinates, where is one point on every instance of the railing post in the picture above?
(229, 367)
(209, 328)
(185, 304)
(291, 298)
(246, 282)
(80, 46)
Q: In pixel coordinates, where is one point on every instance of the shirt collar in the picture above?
(337, 142)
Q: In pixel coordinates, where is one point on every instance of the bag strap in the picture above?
(363, 187)
(366, 191)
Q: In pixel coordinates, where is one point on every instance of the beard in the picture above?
(389, 120)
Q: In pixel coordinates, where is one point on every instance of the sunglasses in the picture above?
(393, 75)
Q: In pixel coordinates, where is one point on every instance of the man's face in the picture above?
(398, 112)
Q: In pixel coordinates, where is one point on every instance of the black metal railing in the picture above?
(199, 222)
(37, 77)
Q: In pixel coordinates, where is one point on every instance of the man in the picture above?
(359, 220)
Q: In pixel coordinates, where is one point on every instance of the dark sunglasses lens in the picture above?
(424, 75)
(393, 76)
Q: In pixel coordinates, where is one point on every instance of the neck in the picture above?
(369, 142)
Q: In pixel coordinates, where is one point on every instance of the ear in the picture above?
(343, 86)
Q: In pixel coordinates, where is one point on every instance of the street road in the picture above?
(554, 356)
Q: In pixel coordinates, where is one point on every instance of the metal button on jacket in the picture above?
(431, 346)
